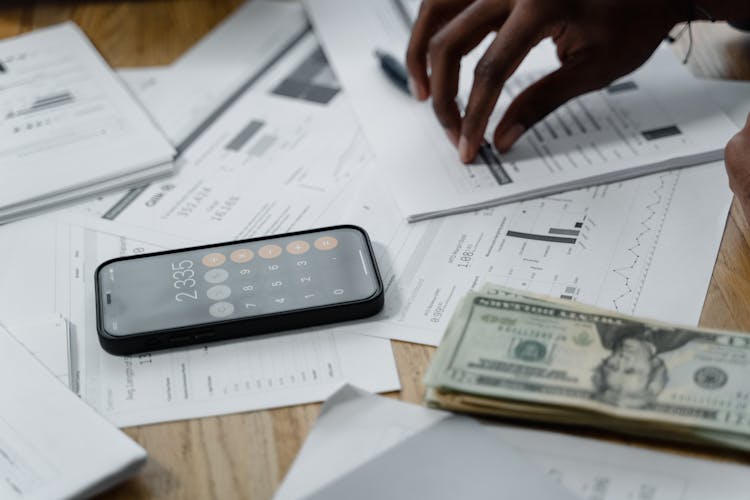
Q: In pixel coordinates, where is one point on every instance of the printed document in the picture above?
(69, 127)
(622, 246)
(355, 427)
(283, 157)
(47, 338)
(214, 379)
(184, 95)
(654, 119)
(52, 445)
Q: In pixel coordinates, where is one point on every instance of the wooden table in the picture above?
(247, 455)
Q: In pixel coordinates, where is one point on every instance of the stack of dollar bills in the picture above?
(522, 356)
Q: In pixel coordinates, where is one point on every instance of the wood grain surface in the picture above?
(246, 455)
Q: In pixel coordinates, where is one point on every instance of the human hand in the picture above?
(597, 42)
(737, 159)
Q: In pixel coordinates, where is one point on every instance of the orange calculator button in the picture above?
(214, 260)
(270, 251)
(298, 247)
(326, 243)
(242, 255)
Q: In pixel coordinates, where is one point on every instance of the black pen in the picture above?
(396, 73)
(394, 70)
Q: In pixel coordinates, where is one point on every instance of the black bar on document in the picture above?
(245, 135)
(579, 225)
(541, 237)
(566, 232)
(661, 133)
(487, 154)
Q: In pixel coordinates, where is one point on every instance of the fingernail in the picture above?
(413, 88)
(463, 150)
(452, 136)
(506, 141)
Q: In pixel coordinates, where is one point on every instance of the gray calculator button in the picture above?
(216, 276)
(221, 309)
(219, 292)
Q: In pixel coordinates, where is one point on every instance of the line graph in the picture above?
(635, 262)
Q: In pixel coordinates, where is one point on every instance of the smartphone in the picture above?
(238, 289)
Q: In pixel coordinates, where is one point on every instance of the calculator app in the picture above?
(236, 281)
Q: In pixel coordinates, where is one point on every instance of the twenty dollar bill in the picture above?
(527, 357)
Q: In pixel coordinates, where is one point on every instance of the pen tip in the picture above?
(380, 54)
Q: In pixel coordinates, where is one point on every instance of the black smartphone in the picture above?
(237, 289)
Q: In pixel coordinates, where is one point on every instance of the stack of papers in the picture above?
(68, 127)
(52, 445)
(640, 124)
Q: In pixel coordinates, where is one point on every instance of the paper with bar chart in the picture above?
(279, 159)
(641, 124)
(69, 128)
(182, 96)
(617, 246)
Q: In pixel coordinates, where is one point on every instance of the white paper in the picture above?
(282, 158)
(52, 445)
(636, 241)
(70, 127)
(642, 124)
(47, 339)
(354, 427)
(295, 368)
(181, 97)
(454, 458)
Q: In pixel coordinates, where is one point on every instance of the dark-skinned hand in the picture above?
(597, 42)
(737, 159)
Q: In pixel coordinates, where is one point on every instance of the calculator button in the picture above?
(242, 255)
(305, 279)
(270, 251)
(216, 276)
(221, 309)
(214, 260)
(326, 243)
(219, 292)
(338, 291)
(298, 247)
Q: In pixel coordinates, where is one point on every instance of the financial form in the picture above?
(622, 246)
(184, 95)
(278, 160)
(68, 127)
(207, 380)
(641, 124)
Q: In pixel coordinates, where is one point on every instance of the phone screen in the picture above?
(235, 281)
